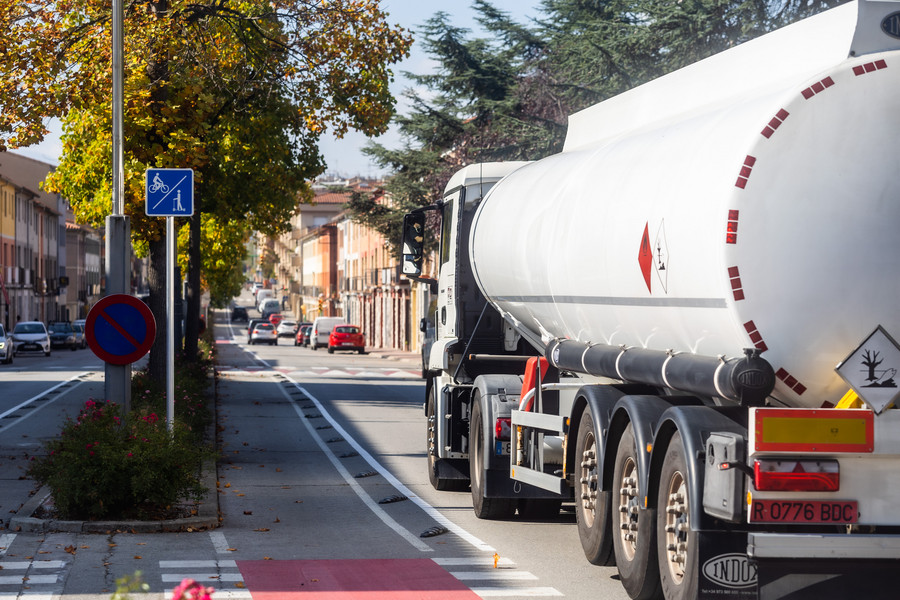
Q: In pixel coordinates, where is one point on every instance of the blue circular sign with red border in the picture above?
(120, 329)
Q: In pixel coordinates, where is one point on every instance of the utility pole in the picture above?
(118, 225)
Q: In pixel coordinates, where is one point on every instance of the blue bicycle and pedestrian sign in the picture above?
(169, 192)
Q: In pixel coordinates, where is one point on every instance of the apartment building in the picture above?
(36, 248)
(330, 265)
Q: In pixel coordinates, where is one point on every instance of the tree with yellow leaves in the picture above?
(238, 90)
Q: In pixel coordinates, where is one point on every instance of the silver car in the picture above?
(31, 336)
(264, 333)
(6, 347)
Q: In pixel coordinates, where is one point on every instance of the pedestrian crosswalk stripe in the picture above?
(533, 592)
(493, 574)
(202, 577)
(197, 564)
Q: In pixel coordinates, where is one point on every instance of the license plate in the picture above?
(800, 511)
(346, 343)
(30, 347)
(502, 448)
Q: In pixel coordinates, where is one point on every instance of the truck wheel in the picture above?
(635, 532)
(677, 548)
(591, 506)
(485, 508)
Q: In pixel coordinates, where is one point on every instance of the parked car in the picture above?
(275, 318)
(62, 335)
(346, 337)
(322, 327)
(264, 333)
(6, 347)
(80, 339)
(302, 337)
(239, 315)
(31, 336)
(286, 328)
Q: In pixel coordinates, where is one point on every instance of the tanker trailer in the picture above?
(683, 321)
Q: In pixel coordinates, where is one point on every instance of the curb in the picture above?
(207, 516)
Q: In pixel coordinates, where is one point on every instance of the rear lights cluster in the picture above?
(502, 428)
(788, 475)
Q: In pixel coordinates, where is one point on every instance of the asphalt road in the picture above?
(321, 487)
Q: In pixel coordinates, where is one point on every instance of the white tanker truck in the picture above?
(682, 323)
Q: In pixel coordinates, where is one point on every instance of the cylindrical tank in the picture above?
(770, 220)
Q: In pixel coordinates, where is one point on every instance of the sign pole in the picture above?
(170, 322)
(169, 193)
(117, 380)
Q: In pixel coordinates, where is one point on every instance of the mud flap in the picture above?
(725, 569)
(783, 579)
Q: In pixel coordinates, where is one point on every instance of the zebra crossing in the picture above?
(30, 578)
(478, 574)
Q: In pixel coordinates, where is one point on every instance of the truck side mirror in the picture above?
(413, 244)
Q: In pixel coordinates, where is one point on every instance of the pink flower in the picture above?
(191, 590)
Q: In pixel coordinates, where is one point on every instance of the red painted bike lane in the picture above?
(388, 579)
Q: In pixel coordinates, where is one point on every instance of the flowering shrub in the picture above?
(189, 589)
(105, 464)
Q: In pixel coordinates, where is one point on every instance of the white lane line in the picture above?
(6, 541)
(44, 393)
(349, 479)
(429, 510)
(220, 544)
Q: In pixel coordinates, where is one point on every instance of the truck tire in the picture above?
(677, 551)
(592, 507)
(485, 508)
(635, 532)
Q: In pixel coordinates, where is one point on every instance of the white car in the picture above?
(6, 347)
(31, 336)
(287, 328)
(264, 333)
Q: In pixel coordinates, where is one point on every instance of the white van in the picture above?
(321, 329)
(262, 296)
(268, 307)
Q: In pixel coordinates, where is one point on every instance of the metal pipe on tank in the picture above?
(747, 380)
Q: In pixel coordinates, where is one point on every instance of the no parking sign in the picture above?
(120, 329)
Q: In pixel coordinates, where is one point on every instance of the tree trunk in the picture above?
(192, 317)
(156, 279)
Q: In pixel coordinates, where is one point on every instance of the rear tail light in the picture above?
(788, 475)
(502, 429)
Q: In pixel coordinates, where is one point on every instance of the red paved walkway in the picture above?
(406, 579)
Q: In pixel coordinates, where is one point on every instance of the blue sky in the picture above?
(343, 156)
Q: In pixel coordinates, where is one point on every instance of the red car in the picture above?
(303, 332)
(346, 337)
(275, 318)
